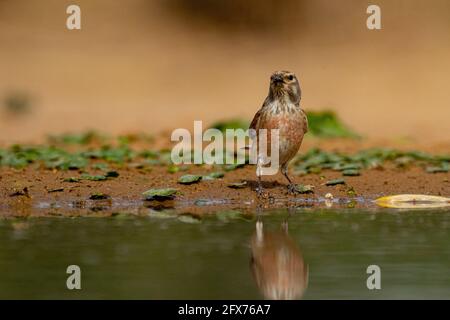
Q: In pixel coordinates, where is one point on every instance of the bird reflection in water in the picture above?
(277, 264)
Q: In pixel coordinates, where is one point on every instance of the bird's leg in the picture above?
(291, 185)
(259, 188)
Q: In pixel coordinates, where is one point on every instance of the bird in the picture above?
(281, 110)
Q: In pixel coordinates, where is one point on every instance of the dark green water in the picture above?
(170, 258)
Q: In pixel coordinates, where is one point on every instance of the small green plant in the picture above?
(326, 124)
(189, 179)
(231, 124)
(160, 194)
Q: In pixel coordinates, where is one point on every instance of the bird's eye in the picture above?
(290, 77)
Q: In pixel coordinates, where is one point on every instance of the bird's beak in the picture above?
(277, 79)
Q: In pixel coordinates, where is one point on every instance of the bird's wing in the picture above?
(305, 122)
(254, 123)
(255, 120)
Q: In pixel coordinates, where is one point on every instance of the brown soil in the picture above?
(33, 191)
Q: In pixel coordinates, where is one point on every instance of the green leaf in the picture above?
(301, 188)
(93, 178)
(326, 124)
(335, 182)
(348, 166)
(189, 179)
(230, 124)
(216, 175)
(160, 194)
(100, 166)
(315, 170)
(350, 172)
(173, 169)
(66, 162)
(231, 167)
(436, 169)
(237, 185)
(72, 179)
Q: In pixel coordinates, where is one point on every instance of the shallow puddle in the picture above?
(324, 253)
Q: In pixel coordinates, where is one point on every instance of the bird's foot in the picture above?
(291, 189)
(260, 191)
(262, 194)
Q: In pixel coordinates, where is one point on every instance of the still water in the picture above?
(308, 254)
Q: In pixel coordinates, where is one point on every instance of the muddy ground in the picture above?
(34, 191)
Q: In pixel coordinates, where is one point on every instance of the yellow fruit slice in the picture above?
(412, 201)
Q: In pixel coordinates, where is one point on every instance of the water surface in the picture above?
(324, 255)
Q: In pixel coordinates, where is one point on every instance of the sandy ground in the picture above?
(144, 67)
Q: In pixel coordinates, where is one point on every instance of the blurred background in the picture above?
(160, 64)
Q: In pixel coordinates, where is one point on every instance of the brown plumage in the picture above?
(281, 110)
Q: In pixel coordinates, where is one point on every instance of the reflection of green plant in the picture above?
(17, 102)
(324, 124)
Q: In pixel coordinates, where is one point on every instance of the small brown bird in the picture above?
(281, 110)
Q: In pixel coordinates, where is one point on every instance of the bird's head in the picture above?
(285, 84)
